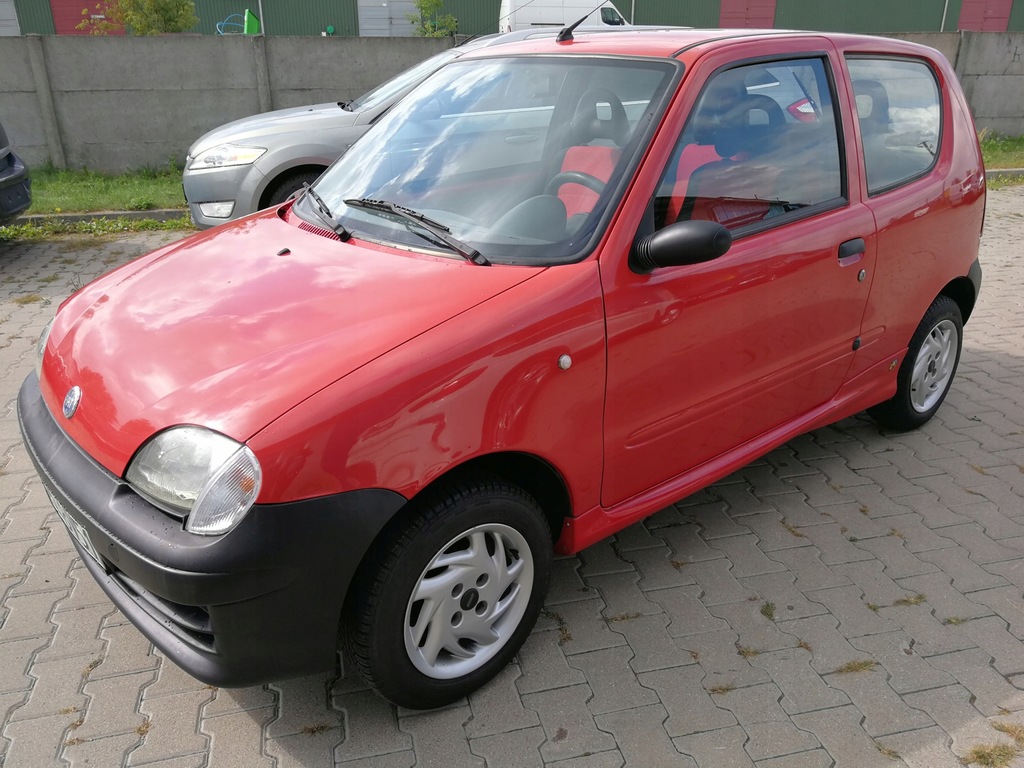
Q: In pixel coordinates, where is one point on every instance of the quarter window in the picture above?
(899, 115)
(760, 143)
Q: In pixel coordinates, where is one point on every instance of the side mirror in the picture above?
(685, 242)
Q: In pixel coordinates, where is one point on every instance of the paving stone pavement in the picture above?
(854, 599)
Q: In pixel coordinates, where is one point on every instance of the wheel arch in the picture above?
(272, 184)
(531, 473)
(962, 290)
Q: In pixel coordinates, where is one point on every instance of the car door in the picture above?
(705, 359)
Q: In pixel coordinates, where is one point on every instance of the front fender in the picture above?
(485, 381)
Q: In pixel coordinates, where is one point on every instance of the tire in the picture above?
(289, 186)
(927, 371)
(445, 602)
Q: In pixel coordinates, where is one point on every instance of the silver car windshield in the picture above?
(384, 92)
(517, 158)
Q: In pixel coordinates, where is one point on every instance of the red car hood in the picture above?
(232, 327)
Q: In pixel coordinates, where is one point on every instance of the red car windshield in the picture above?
(516, 158)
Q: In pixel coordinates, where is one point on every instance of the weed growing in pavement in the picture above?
(768, 611)
(1014, 730)
(860, 665)
(991, 755)
(912, 600)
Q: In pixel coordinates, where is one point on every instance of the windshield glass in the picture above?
(516, 157)
(388, 90)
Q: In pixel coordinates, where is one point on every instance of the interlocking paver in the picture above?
(690, 708)
(439, 739)
(722, 748)
(991, 692)
(803, 689)
(568, 723)
(908, 671)
(883, 709)
(497, 707)
(612, 680)
(544, 666)
(832, 529)
(642, 740)
(514, 749)
(952, 710)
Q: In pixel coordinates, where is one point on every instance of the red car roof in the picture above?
(668, 43)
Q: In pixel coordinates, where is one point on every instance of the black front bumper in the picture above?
(260, 603)
(15, 187)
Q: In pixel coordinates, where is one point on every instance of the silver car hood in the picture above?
(252, 130)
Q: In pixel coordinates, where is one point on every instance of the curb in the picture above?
(157, 214)
(1006, 173)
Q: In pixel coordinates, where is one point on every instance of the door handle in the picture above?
(851, 251)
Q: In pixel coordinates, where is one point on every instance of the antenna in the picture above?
(566, 34)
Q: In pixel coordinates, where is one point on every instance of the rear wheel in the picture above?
(927, 371)
(444, 604)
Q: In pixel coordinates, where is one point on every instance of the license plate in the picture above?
(75, 528)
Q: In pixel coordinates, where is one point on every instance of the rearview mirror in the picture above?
(685, 242)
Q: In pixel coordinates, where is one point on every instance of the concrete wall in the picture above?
(991, 71)
(115, 103)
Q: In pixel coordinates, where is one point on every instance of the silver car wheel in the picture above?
(933, 368)
(468, 601)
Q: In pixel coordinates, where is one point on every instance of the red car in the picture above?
(561, 285)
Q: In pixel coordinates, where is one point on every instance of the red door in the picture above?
(703, 358)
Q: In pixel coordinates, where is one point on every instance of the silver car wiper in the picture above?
(324, 212)
(435, 228)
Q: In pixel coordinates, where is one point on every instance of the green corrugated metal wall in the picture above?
(34, 17)
(476, 17)
(1016, 17)
(867, 15)
(308, 17)
(692, 13)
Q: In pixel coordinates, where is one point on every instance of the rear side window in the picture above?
(900, 119)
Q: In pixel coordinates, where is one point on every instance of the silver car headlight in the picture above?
(197, 472)
(225, 155)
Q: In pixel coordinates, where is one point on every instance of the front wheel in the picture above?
(444, 604)
(927, 371)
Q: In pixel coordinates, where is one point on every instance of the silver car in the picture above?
(259, 161)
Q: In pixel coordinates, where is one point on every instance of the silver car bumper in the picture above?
(239, 185)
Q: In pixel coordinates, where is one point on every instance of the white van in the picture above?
(515, 15)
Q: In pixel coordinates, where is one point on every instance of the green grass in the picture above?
(50, 227)
(1002, 151)
(55, 191)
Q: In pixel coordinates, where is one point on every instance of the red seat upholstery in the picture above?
(598, 162)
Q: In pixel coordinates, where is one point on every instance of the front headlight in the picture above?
(226, 155)
(197, 472)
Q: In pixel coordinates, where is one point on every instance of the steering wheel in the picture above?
(574, 177)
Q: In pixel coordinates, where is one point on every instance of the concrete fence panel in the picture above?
(118, 103)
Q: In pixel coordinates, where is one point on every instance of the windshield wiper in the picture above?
(324, 212)
(437, 229)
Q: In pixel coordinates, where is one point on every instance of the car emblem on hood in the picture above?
(71, 401)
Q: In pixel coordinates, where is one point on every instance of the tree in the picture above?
(430, 22)
(140, 17)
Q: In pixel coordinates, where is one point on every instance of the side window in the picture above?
(900, 117)
(760, 143)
